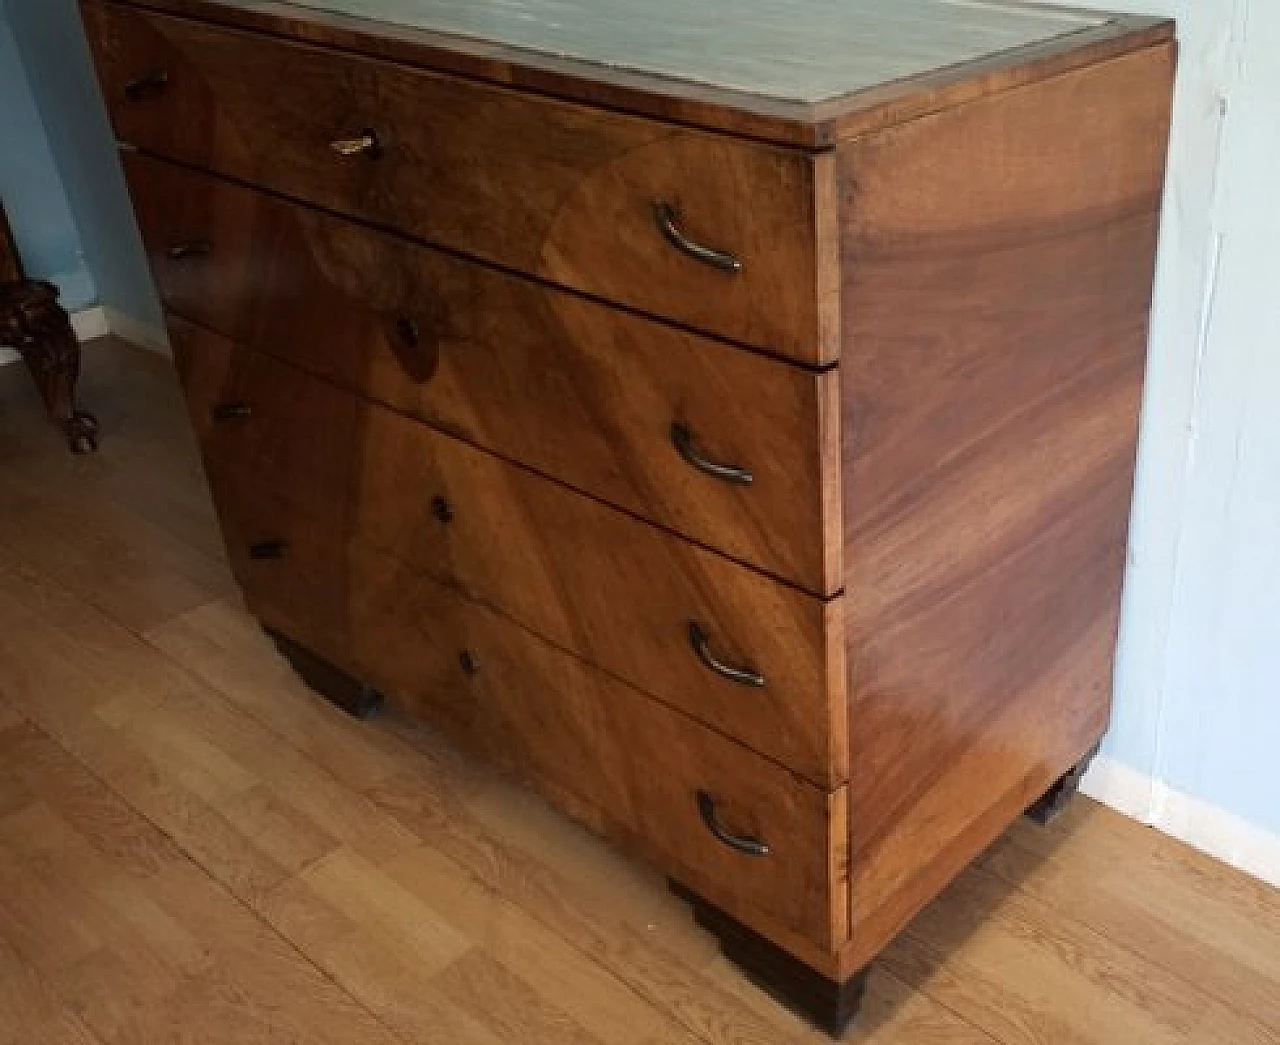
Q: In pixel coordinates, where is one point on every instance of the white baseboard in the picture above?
(137, 332)
(1215, 831)
(100, 320)
(89, 323)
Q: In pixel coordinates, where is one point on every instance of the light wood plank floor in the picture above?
(195, 849)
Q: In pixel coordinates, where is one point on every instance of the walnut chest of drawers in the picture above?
(735, 446)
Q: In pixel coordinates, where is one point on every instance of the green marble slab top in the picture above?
(804, 51)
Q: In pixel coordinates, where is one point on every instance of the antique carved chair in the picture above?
(32, 321)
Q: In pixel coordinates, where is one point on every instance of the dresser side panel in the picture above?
(998, 262)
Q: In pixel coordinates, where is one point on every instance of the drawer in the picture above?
(758, 660)
(633, 767)
(567, 192)
(577, 390)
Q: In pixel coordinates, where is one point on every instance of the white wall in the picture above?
(1193, 747)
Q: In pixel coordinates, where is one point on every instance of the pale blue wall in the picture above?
(35, 202)
(1220, 725)
(55, 57)
(1198, 675)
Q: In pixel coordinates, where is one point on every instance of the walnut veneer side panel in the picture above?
(551, 188)
(998, 262)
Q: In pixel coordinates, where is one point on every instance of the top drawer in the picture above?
(572, 194)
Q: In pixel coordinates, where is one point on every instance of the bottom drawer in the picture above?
(747, 834)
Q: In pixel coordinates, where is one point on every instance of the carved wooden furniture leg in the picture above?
(1053, 802)
(828, 1004)
(32, 321)
(336, 686)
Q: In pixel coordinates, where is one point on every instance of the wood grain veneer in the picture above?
(559, 190)
(628, 765)
(997, 324)
(584, 576)
(570, 387)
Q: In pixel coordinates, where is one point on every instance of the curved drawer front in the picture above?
(572, 194)
(756, 659)
(658, 421)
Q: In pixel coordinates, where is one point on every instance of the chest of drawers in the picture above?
(735, 446)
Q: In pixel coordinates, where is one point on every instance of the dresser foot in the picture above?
(1051, 804)
(829, 1004)
(336, 686)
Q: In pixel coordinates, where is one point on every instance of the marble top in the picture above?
(789, 50)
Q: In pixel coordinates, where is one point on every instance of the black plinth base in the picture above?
(827, 1003)
(1050, 805)
(336, 686)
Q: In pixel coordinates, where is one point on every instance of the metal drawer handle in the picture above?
(742, 676)
(682, 439)
(197, 248)
(366, 144)
(666, 216)
(151, 84)
(231, 411)
(268, 549)
(747, 846)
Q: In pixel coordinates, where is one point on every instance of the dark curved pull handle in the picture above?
(231, 411)
(196, 248)
(146, 86)
(682, 439)
(746, 846)
(274, 549)
(667, 216)
(742, 676)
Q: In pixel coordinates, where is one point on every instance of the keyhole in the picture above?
(442, 509)
(408, 331)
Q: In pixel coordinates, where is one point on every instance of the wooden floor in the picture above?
(195, 849)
